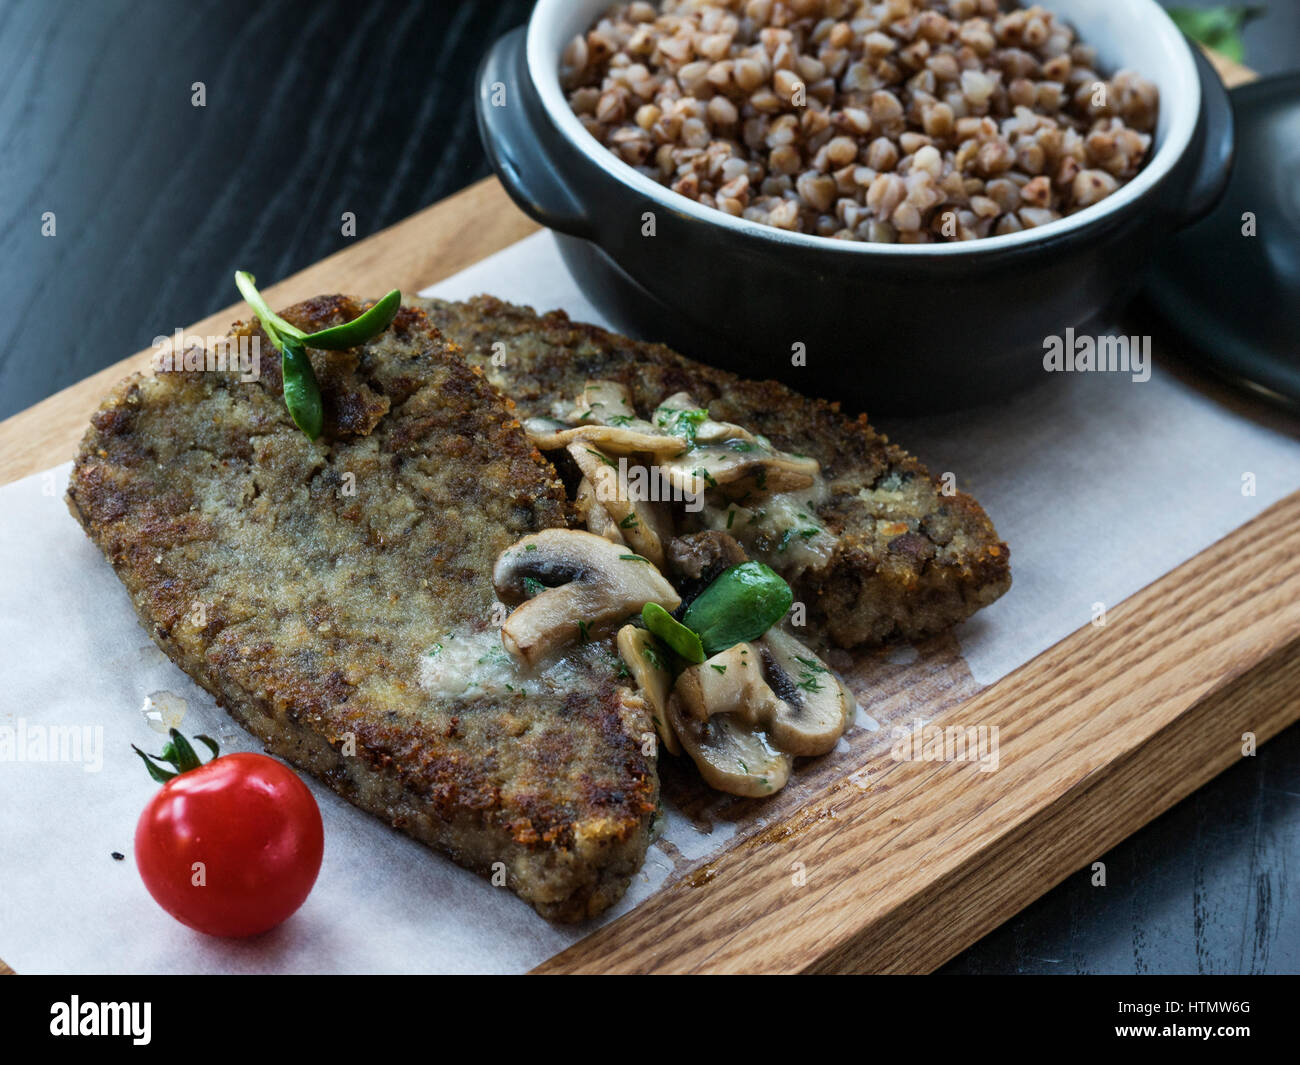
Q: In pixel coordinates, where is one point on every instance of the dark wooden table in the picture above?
(316, 109)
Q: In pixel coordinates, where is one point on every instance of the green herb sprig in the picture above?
(301, 390)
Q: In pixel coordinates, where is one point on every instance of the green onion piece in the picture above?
(740, 605)
(360, 329)
(301, 392)
(672, 632)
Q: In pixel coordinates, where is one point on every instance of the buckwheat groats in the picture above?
(905, 121)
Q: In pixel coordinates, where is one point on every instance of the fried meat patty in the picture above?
(910, 560)
(301, 583)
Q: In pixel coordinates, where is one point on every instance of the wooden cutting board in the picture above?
(894, 865)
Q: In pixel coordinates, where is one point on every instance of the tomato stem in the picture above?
(178, 753)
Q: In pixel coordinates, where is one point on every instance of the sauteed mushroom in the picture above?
(594, 515)
(731, 682)
(810, 712)
(588, 586)
(645, 660)
(603, 415)
(751, 703)
(730, 755)
(644, 525)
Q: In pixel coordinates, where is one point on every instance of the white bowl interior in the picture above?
(1126, 33)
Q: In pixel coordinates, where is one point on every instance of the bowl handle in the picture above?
(511, 125)
(1216, 135)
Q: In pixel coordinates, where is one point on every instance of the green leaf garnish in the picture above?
(360, 329)
(676, 635)
(603, 458)
(301, 392)
(740, 605)
(274, 326)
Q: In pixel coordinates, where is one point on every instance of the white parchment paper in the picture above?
(1100, 485)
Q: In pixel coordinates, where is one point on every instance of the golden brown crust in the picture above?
(911, 559)
(301, 582)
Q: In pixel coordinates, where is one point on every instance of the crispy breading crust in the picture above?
(300, 583)
(882, 580)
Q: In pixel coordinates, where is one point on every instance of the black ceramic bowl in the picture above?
(883, 326)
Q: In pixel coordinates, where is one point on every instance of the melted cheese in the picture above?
(468, 664)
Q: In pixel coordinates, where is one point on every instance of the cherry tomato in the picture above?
(232, 847)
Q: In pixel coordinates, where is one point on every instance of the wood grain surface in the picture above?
(1099, 735)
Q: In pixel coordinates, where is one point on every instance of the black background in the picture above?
(317, 108)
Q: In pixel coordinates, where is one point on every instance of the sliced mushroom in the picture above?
(547, 435)
(603, 415)
(730, 755)
(643, 657)
(810, 711)
(739, 469)
(850, 705)
(731, 682)
(594, 515)
(726, 456)
(608, 403)
(705, 430)
(645, 526)
(591, 585)
(776, 685)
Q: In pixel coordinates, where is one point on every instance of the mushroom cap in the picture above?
(739, 470)
(591, 585)
(730, 755)
(811, 711)
(603, 415)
